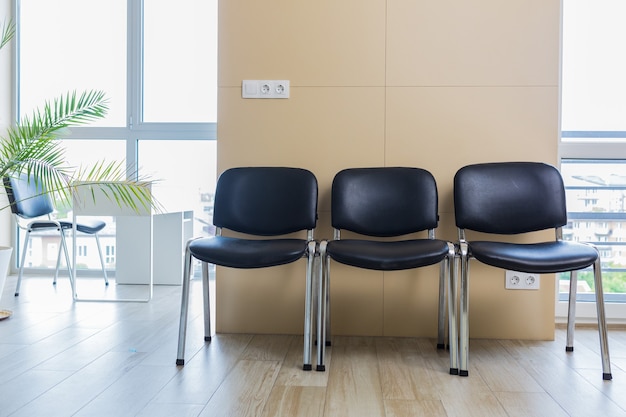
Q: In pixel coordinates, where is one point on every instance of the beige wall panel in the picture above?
(321, 43)
(496, 313)
(265, 300)
(356, 297)
(324, 229)
(443, 129)
(447, 228)
(411, 302)
(386, 83)
(410, 307)
(489, 42)
(494, 310)
(321, 129)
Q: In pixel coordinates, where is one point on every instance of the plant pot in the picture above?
(5, 259)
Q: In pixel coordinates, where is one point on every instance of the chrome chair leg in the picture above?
(68, 262)
(184, 307)
(464, 318)
(453, 338)
(441, 323)
(56, 270)
(21, 271)
(104, 270)
(70, 271)
(327, 341)
(604, 342)
(62, 249)
(571, 311)
(322, 306)
(206, 300)
(308, 307)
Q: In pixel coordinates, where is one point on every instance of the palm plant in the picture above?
(31, 147)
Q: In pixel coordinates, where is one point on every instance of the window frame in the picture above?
(591, 145)
(136, 129)
(587, 145)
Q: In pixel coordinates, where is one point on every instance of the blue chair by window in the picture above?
(265, 203)
(33, 208)
(378, 204)
(511, 198)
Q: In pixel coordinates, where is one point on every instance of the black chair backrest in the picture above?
(509, 197)
(266, 201)
(386, 201)
(27, 196)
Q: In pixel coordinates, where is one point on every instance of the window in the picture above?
(601, 223)
(52, 251)
(156, 61)
(109, 255)
(593, 142)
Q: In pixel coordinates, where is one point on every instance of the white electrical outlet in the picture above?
(514, 280)
(265, 89)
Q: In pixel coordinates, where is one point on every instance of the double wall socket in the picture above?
(265, 89)
(515, 280)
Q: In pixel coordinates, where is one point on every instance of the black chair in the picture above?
(261, 202)
(511, 198)
(33, 207)
(390, 202)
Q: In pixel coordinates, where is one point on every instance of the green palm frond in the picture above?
(32, 143)
(31, 146)
(7, 32)
(110, 178)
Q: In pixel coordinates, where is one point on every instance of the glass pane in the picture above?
(180, 61)
(596, 203)
(186, 173)
(593, 80)
(68, 45)
(86, 153)
(43, 249)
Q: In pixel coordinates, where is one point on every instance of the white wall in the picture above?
(5, 119)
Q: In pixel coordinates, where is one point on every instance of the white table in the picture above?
(135, 255)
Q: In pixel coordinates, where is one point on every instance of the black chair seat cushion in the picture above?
(539, 258)
(87, 226)
(247, 253)
(387, 256)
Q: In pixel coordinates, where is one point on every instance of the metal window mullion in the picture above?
(592, 150)
(134, 92)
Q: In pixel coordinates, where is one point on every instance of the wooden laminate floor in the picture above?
(64, 358)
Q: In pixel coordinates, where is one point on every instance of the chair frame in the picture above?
(44, 222)
(310, 254)
(58, 226)
(447, 269)
(464, 251)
